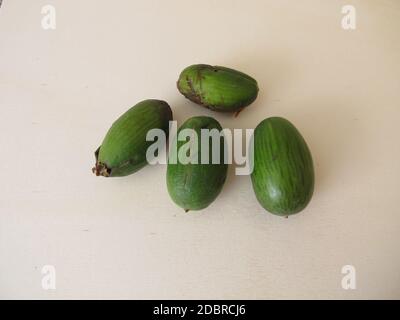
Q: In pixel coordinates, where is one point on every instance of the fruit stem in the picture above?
(237, 112)
(101, 169)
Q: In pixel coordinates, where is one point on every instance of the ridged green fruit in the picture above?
(217, 88)
(283, 174)
(124, 147)
(195, 186)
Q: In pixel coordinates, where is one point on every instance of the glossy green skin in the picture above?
(217, 88)
(124, 147)
(283, 175)
(196, 186)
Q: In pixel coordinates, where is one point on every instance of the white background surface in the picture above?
(60, 90)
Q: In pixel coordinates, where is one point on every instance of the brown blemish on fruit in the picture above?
(192, 95)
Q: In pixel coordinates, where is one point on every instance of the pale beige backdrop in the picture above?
(124, 238)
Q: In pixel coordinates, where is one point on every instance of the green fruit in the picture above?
(283, 174)
(217, 88)
(124, 147)
(195, 186)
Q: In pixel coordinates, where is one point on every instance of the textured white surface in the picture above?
(124, 238)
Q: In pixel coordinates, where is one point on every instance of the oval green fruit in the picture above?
(217, 88)
(283, 173)
(194, 186)
(124, 147)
